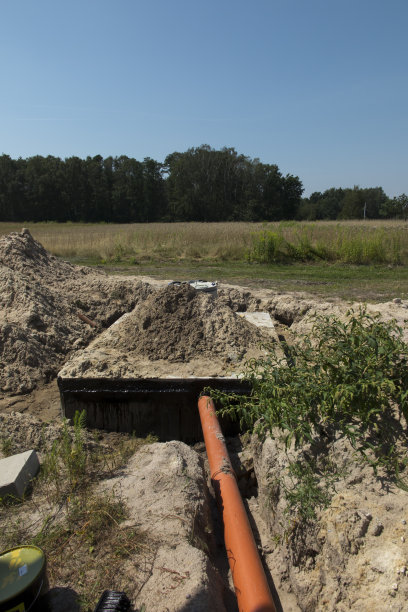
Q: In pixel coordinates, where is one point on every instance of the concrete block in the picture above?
(16, 472)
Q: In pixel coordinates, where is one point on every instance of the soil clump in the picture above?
(41, 300)
(176, 331)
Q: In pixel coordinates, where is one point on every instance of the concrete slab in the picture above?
(260, 319)
(16, 472)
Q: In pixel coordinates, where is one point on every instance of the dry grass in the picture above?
(346, 241)
(102, 242)
(79, 525)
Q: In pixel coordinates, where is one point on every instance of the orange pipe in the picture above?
(86, 319)
(251, 587)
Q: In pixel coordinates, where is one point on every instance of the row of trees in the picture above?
(201, 184)
(355, 203)
(118, 189)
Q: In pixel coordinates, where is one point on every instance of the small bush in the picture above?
(267, 247)
(273, 247)
(347, 378)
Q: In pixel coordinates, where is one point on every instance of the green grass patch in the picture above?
(358, 245)
(324, 280)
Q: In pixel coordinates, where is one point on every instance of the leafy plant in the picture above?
(306, 491)
(347, 378)
(267, 247)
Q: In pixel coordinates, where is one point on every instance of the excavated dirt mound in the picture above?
(179, 323)
(41, 300)
(355, 556)
(165, 488)
(176, 331)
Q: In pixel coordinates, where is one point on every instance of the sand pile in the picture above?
(176, 331)
(40, 300)
(179, 323)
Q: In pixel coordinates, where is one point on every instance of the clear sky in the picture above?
(319, 87)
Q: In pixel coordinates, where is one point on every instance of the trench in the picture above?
(163, 407)
(166, 407)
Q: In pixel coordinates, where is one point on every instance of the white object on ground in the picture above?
(16, 472)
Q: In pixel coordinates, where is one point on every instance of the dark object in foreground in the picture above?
(23, 578)
(113, 601)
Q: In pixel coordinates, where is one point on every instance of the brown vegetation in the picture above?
(138, 242)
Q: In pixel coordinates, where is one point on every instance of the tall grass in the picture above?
(349, 242)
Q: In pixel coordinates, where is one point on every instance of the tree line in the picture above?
(355, 203)
(201, 184)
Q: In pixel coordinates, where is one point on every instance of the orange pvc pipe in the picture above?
(86, 319)
(251, 587)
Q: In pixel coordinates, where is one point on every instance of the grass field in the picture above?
(351, 259)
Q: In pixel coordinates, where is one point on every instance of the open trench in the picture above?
(167, 408)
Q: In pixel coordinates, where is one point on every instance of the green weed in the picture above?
(357, 246)
(348, 379)
(267, 247)
(65, 465)
(78, 525)
(7, 447)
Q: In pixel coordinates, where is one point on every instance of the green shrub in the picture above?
(347, 378)
(307, 243)
(267, 247)
(273, 247)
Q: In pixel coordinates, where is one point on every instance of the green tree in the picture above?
(204, 184)
(358, 200)
(397, 207)
(75, 190)
(128, 193)
(12, 193)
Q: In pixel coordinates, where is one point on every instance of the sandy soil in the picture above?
(44, 308)
(178, 332)
(345, 562)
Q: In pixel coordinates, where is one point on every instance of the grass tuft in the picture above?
(77, 524)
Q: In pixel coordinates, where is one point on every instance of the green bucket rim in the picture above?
(27, 586)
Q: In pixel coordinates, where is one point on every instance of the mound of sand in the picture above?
(176, 331)
(179, 324)
(41, 299)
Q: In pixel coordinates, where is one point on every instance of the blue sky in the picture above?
(318, 87)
